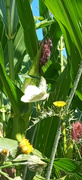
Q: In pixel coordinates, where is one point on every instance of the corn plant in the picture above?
(41, 90)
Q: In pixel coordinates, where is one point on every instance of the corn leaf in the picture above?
(69, 17)
(27, 21)
(13, 92)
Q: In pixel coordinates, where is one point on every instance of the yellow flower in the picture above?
(4, 152)
(59, 103)
(25, 146)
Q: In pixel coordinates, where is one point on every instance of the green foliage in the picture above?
(72, 33)
(20, 53)
(10, 87)
(45, 136)
(10, 145)
(24, 12)
(69, 166)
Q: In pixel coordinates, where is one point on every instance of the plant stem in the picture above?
(76, 147)
(10, 42)
(18, 170)
(69, 100)
(5, 174)
(64, 129)
(61, 54)
(64, 139)
(12, 15)
(3, 115)
(53, 153)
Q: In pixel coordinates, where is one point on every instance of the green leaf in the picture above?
(21, 157)
(70, 176)
(44, 12)
(10, 145)
(19, 50)
(44, 23)
(75, 60)
(10, 90)
(24, 157)
(77, 103)
(62, 11)
(60, 89)
(14, 15)
(18, 124)
(68, 16)
(25, 66)
(33, 71)
(46, 132)
(69, 166)
(27, 21)
(13, 92)
(51, 73)
(3, 13)
(3, 37)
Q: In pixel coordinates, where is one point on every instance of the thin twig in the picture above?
(53, 153)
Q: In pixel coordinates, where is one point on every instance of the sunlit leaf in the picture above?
(27, 21)
(10, 145)
(44, 23)
(68, 16)
(62, 12)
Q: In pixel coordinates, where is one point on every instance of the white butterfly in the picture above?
(34, 93)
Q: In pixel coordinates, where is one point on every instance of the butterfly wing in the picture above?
(45, 96)
(43, 85)
(24, 98)
(34, 93)
(31, 94)
(32, 90)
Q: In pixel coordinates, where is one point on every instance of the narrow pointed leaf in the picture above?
(27, 21)
(69, 166)
(69, 18)
(45, 134)
(13, 92)
(69, 15)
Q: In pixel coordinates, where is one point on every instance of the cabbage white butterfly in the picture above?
(34, 93)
